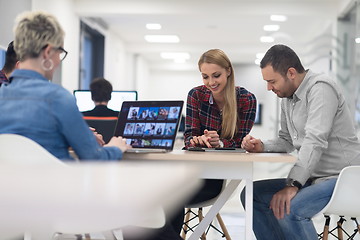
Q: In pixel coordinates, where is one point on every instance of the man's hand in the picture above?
(251, 144)
(281, 201)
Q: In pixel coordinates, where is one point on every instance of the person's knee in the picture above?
(295, 215)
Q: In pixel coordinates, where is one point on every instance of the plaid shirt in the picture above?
(203, 113)
(3, 78)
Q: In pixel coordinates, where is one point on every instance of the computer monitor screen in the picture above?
(85, 103)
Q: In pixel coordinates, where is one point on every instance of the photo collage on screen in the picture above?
(151, 126)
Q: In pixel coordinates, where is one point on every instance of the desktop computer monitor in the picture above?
(85, 103)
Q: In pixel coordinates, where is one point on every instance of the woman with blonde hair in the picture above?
(45, 112)
(218, 114)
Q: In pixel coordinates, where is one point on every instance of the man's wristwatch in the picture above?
(293, 183)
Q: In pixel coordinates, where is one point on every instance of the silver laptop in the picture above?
(149, 126)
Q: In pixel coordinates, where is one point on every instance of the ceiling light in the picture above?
(162, 38)
(266, 39)
(357, 40)
(278, 18)
(257, 61)
(153, 26)
(175, 55)
(271, 28)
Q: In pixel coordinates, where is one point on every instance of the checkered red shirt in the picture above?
(201, 114)
(3, 78)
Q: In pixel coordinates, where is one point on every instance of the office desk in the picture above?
(219, 165)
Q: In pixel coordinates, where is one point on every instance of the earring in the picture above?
(47, 64)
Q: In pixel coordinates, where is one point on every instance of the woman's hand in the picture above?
(118, 142)
(98, 136)
(200, 141)
(214, 138)
(209, 139)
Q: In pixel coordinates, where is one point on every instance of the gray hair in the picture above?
(34, 31)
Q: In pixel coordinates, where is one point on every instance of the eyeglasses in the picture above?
(63, 53)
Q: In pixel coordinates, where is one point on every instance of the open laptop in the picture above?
(149, 126)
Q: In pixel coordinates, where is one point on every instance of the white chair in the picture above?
(191, 215)
(17, 149)
(345, 201)
(41, 195)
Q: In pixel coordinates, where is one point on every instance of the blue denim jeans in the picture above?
(298, 224)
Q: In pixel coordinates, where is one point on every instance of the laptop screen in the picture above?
(149, 124)
(85, 103)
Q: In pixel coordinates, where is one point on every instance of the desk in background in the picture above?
(213, 165)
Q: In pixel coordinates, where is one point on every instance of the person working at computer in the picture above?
(218, 114)
(101, 90)
(10, 64)
(40, 110)
(316, 121)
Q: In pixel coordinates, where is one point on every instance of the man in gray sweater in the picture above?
(316, 121)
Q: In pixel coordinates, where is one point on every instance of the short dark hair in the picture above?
(101, 90)
(281, 58)
(10, 58)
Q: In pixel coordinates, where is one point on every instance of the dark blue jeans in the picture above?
(298, 224)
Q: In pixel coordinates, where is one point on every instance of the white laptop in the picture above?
(149, 126)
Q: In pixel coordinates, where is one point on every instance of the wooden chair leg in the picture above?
(223, 227)
(326, 228)
(357, 225)
(186, 220)
(340, 229)
(201, 217)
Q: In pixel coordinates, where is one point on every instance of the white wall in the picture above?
(9, 11)
(117, 67)
(249, 76)
(141, 78)
(64, 11)
(115, 63)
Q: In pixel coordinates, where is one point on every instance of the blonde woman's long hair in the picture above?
(229, 113)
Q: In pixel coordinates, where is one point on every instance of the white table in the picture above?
(218, 165)
(81, 198)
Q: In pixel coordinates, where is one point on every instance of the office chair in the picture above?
(103, 125)
(344, 202)
(17, 149)
(43, 197)
(20, 151)
(189, 212)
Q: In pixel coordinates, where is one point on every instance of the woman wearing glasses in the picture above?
(40, 110)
